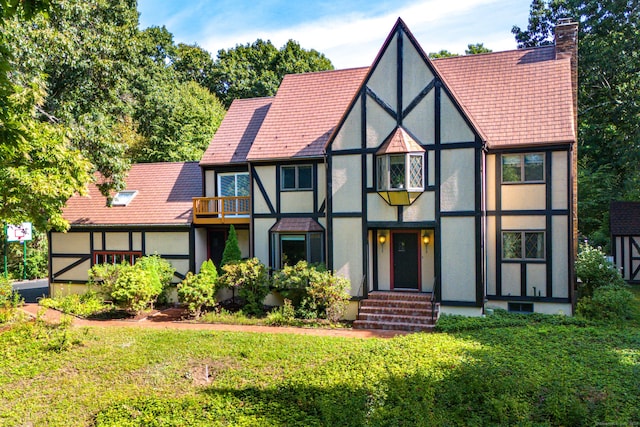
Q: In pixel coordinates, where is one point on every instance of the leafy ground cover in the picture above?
(542, 373)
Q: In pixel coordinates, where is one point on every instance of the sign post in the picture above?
(18, 233)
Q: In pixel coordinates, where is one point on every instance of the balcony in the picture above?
(221, 210)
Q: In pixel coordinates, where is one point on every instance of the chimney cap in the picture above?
(566, 21)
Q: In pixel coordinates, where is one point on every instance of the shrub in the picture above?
(252, 281)
(9, 300)
(328, 294)
(282, 316)
(133, 287)
(594, 270)
(292, 281)
(231, 251)
(609, 303)
(199, 290)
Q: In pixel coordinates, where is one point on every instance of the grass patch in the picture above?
(539, 374)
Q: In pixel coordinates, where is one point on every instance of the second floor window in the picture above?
(521, 168)
(296, 177)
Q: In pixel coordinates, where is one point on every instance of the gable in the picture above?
(399, 90)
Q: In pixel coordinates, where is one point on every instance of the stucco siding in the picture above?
(453, 126)
(458, 259)
(70, 243)
(267, 176)
(421, 120)
(523, 196)
(261, 238)
(296, 202)
(349, 135)
(457, 188)
(511, 279)
(536, 280)
(379, 124)
(491, 258)
(423, 209)
(560, 181)
(167, 243)
(116, 241)
(559, 239)
(347, 250)
(379, 210)
(347, 185)
(383, 80)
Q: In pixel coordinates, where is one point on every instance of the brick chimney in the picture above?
(566, 42)
(566, 45)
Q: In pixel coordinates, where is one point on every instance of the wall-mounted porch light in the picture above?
(382, 240)
(426, 239)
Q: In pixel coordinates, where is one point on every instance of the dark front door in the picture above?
(217, 240)
(405, 261)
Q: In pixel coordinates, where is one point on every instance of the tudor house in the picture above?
(624, 223)
(452, 179)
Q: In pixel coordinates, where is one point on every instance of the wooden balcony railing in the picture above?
(221, 210)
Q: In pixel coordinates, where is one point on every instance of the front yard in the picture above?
(538, 374)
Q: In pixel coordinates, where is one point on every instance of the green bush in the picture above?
(594, 270)
(611, 303)
(282, 316)
(133, 287)
(199, 290)
(251, 279)
(292, 281)
(328, 294)
(10, 300)
(231, 251)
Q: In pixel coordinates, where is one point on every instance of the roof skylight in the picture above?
(123, 198)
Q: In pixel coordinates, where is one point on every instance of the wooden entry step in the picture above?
(405, 311)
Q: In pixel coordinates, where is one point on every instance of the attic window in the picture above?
(123, 198)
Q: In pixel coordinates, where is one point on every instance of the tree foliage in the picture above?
(231, 251)
(256, 69)
(476, 48)
(39, 169)
(608, 93)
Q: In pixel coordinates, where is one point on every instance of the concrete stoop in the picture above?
(398, 311)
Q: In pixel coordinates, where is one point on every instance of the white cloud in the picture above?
(354, 39)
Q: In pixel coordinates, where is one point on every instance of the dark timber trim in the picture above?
(263, 192)
(381, 102)
(437, 243)
(549, 221)
(498, 222)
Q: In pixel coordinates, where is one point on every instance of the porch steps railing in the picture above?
(404, 311)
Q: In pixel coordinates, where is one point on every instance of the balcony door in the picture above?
(234, 184)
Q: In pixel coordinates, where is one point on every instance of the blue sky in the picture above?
(348, 32)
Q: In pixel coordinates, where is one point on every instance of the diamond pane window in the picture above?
(511, 245)
(523, 245)
(397, 170)
(415, 171)
(534, 245)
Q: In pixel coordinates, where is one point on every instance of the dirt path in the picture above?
(166, 320)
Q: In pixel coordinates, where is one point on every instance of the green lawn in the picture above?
(543, 373)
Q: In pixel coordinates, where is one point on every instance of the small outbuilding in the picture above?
(624, 220)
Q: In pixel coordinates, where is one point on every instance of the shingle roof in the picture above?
(236, 133)
(304, 112)
(165, 192)
(517, 97)
(296, 224)
(399, 142)
(514, 98)
(624, 218)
